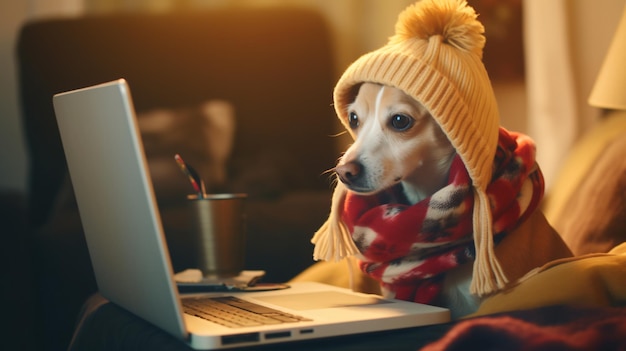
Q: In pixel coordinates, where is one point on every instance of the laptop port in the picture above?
(277, 335)
(240, 338)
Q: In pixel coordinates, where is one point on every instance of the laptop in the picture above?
(131, 262)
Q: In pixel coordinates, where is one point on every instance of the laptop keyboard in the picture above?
(233, 312)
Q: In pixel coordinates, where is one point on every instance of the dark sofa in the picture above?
(274, 66)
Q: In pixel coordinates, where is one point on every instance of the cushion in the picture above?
(594, 219)
(587, 204)
(590, 280)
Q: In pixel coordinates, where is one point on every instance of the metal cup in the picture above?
(219, 230)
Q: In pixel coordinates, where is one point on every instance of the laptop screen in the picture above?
(116, 201)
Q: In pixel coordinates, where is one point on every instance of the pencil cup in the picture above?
(219, 230)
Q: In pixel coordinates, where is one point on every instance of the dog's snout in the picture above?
(349, 172)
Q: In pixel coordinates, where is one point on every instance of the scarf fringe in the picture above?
(488, 275)
(333, 241)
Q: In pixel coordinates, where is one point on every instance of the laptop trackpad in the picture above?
(320, 300)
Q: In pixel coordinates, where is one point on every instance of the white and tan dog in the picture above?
(434, 109)
(398, 141)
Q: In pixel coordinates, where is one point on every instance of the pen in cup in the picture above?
(196, 182)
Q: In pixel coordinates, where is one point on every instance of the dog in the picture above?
(397, 141)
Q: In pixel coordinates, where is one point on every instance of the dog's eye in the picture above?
(401, 122)
(353, 119)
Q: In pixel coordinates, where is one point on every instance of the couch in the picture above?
(244, 95)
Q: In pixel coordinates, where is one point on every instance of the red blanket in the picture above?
(559, 328)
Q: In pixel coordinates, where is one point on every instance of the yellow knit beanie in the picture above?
(435, 56)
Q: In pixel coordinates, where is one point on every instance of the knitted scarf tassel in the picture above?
(488, 276)
(333, 241)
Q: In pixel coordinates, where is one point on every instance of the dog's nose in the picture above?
(349, 172)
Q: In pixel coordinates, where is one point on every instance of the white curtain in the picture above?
(565, 43)
(549, 81)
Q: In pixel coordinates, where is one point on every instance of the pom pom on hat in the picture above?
(435, 56)
(454, 22)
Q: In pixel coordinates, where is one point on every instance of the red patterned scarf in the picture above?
(408, 248)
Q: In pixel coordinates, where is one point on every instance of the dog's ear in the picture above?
(351, 95)
(353, 92)
(333, 240)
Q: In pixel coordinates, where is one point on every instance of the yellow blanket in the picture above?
(589, 280)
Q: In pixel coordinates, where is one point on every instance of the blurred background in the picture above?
(543, 58)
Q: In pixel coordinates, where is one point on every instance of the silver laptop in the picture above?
(131, 261)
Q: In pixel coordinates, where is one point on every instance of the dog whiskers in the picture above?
(334, 181)
(331, 176)
(331, 170)
(338, 134)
